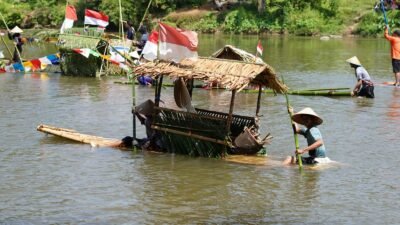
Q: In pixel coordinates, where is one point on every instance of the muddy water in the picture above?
(48, 180)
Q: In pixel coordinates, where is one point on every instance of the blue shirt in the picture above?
(312, 135)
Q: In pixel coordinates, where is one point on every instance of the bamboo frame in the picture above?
(189, 134)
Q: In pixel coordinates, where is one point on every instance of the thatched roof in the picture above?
(234, 75)
(230, 52)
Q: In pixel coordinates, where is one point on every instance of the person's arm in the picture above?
(316, 144)
(357, 87)
(387, 36)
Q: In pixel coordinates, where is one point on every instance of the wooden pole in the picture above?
(158, 92)
(258, 100)
(296, 139)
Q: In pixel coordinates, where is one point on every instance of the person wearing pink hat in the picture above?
(316, 148)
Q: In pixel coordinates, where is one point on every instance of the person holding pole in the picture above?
(15, 36)
(395, 53)
(316, 148)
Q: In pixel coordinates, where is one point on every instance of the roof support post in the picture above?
(159, 82)
(258, 101)
(230, 115)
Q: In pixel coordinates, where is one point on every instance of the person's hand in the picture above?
(290, 110)
(352, 93)
(299, 151)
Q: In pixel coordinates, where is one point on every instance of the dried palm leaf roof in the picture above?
(232, 74)
(230, 52)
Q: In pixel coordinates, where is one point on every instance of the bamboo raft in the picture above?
(308, 92)
(73, 135)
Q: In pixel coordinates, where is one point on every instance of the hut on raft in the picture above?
(208, 133)
(233, 53)
(75, 64)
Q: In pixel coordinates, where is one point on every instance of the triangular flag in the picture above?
(177, 44)
(70, 17)
(259, 48)
(83, 51)
(149, 51)
(95, 18)
(44, 61)
(94, 53)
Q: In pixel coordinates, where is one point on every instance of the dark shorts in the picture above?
(396, 65)
(307, 160)
(367, 91)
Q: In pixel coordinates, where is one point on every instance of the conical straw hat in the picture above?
(307, 112)
(16, 29)
(146, 108)
(354, 60)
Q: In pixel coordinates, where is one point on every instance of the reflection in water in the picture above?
(393, 112)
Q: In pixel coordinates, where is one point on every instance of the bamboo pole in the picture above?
(121, 30)
(8, 49)
(15, 45)
(296, 139)
(189, 134)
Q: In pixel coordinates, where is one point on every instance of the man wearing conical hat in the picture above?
(364, 86)
(15, 36)
(316, 148)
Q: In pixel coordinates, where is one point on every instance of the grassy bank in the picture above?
(280, 16)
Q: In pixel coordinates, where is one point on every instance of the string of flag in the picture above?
(34, 64)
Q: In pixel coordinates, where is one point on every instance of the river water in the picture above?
(48, 180)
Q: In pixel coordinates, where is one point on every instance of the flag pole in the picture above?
(121, 23)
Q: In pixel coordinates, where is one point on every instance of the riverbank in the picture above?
(329, 17)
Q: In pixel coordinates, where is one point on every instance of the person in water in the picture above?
(316, 148)
(395, 53)
(15, 36)
(364, 86)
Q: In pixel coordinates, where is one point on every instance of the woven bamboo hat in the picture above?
(146, 108)
(16, 30)
(354, 60)
(300, 116)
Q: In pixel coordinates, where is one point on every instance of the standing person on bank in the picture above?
(316, 148)
(395, 53)
(364, 86)
(15, 36)
(130, 31)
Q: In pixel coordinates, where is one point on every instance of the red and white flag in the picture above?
(149, 51)
(70, 17)
(259, 48)
(177, 44)
(95, 18)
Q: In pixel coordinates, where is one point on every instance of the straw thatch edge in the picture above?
(232, 74)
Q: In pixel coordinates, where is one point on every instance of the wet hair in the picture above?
(397, 33)
(127, 141)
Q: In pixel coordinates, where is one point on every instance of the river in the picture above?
(48, 180)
